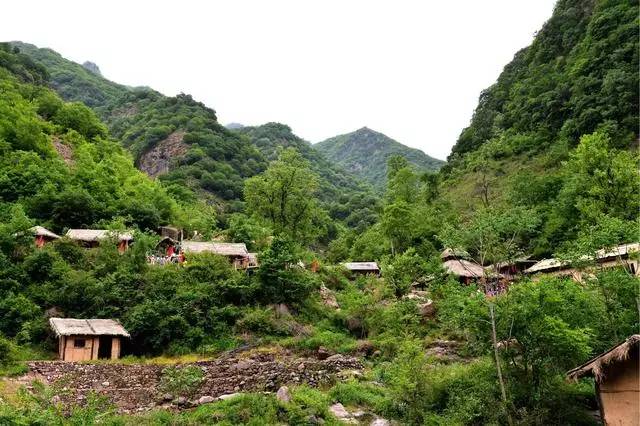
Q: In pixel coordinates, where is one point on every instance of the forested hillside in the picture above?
(60, 167)
(365, 153)
(579, 77)
(176, 139)
(180, 141)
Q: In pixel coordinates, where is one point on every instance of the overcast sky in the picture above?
(410, 69)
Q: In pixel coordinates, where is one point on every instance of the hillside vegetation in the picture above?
(365, 154)
(547, 167)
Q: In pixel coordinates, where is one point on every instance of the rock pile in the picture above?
(135, 388)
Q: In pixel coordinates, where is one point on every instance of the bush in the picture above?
(183, 381)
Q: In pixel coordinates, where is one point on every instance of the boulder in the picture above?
(340, 412)
(323, 353)
(283, 394)
(229, 396)
(207, 399)
(328, 298)
(380, 422)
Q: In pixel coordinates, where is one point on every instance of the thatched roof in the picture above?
(450, 253)
(463, 268)
(602, 255)
(361, 266)
(40, 231)
(545, 265)
(93, 235)
(223, 249)
(87, 327)
(595, 367)
(623, 250)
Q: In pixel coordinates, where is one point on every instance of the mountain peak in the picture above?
(365, 152)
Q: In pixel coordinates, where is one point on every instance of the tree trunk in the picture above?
(495, 351)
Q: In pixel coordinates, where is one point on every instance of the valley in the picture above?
(157, 267)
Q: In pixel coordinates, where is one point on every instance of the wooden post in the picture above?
(115, 348)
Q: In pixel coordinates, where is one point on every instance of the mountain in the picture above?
(179, 141)
(175, 139)
(59, 166)
(578, 81)
(345, 196)
(365, 153)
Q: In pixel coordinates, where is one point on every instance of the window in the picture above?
(78, 343)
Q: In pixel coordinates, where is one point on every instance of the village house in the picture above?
(466, 271)
(42, 236)
(622, 256)
(363, 268)
(510, 270)
(236, 252)
(87, 339)
(91, 237)
(617, 379)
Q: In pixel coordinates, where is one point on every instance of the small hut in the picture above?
(363, 268)
(236, 252)
(466, 271)
(617, 379)
(43, 235)
(92, 237)
(87, 339)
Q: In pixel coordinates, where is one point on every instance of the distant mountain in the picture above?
(365, 153)
(234, 126)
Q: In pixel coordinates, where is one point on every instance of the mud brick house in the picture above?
(455, 263)
(92, 237)
(617, 378)
(363, 268)
(87, 339)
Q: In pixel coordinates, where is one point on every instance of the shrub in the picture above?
(181, 380)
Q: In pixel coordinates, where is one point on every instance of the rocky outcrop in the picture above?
(135, 388)
(158, 159)
(65, 151)
(92, 67)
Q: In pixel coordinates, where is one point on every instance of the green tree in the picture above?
(284, 197)
(281, 279)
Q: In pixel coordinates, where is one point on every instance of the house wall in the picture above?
(68, 352)
(88, 352)
(619, 393)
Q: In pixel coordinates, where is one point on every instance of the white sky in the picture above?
(410, 69)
